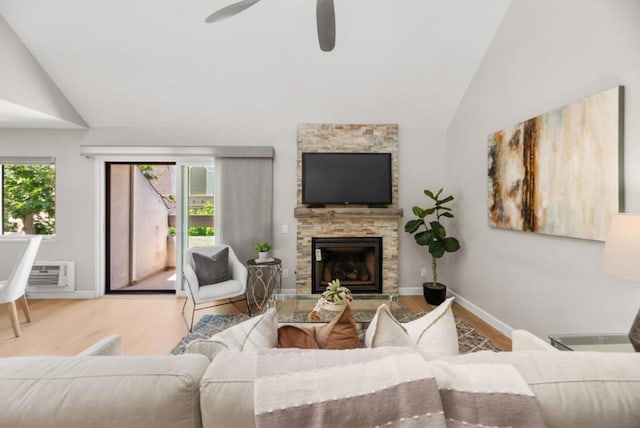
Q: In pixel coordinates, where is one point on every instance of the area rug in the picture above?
(206, 327)
(469, 339)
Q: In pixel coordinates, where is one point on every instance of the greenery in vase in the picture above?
(335, 293)
(262, 247)
(432, 234)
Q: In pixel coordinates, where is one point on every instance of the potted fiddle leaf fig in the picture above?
(433, 235)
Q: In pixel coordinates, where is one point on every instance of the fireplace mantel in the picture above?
(347, 212)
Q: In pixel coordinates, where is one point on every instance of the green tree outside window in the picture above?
(29, 193)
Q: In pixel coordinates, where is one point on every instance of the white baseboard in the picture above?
(410, 291)
(78, 294)
(482, 314)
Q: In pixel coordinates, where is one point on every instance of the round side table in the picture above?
(264, 278)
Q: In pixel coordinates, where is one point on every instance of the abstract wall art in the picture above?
(558, 173)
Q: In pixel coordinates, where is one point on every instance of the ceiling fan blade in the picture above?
(326, 20)
(230, 10)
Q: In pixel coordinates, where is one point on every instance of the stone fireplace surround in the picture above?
(353, 220)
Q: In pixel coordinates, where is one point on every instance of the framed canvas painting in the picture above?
(559, 173)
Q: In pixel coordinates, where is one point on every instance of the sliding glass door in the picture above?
(140, 227)
(196, 202)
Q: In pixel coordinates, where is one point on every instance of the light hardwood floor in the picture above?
(149, 325)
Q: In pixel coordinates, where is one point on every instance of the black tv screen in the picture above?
(346, 178)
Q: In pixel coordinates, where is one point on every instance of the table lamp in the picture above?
(622, 258)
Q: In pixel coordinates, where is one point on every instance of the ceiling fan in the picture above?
(325, 19)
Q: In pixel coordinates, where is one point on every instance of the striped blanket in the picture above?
(387, 387)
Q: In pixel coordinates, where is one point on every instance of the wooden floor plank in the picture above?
(149, 325)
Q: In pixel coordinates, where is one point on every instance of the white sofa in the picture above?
(575, 389)
(99, 388)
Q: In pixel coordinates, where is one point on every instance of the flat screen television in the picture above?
(346, 178)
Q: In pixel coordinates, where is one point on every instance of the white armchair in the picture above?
(205, 293)
(13, 288)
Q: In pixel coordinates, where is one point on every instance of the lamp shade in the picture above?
(622, 249)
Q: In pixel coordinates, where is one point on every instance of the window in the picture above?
(200, 180)
(28, 194)
(200, 209)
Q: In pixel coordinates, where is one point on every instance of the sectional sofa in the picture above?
(100, 388)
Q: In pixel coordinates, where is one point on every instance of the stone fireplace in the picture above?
(356, 262)
(348, 221)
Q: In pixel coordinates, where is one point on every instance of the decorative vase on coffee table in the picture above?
(332, 307)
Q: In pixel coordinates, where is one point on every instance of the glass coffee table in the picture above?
(295, 308)
(592, 342)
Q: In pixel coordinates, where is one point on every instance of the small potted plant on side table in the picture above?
(434, 236)
(263, 249)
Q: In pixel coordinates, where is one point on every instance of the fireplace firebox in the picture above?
(356, 262)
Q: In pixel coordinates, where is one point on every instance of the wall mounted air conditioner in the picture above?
(48, 276)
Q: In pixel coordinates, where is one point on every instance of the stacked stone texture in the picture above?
(352, 221)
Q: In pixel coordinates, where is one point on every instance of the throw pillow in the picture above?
(212, 269)
(293, 336)
(254, 333)
(340, 333)
(434, 333)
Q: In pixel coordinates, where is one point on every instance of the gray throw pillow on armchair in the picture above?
(212, 269)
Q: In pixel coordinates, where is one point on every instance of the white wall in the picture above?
(229, 85)
(546, 54)
(75, 203)
(421, 152)
(24, 82)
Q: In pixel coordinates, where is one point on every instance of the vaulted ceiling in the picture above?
(155, 63)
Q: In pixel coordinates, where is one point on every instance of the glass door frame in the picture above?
(108, 230)
(182, 214)
(100, 199)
